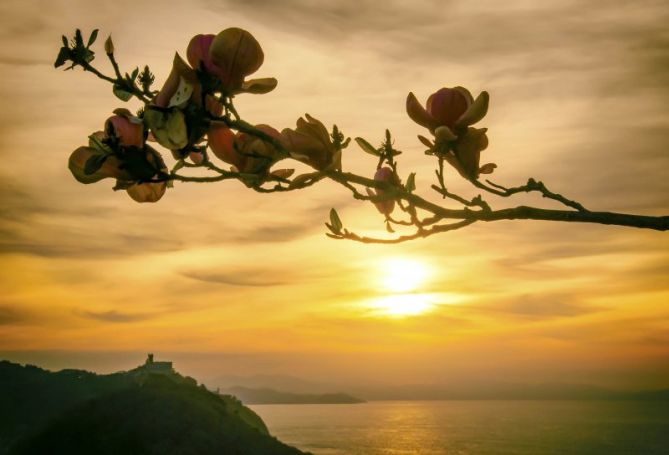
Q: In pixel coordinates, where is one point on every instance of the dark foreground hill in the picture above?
(138, 412)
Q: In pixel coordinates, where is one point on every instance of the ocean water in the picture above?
(473, 427)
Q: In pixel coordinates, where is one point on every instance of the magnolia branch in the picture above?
(194, 113)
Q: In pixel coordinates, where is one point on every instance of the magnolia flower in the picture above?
(120, 152)
(449, 114)
(247, 153)
(454, 108)
(384, 174)
(466, 154)
(311, 144)
(230, 56)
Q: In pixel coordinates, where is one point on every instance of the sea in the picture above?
(473, 427)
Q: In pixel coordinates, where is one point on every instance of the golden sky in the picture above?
(225, 279)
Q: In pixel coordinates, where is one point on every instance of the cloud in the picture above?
(538, 307)
(10, 315)
(22, 61)
(246, 277)
(115, 316)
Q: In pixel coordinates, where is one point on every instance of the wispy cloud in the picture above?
(115, 316)
(246, 277)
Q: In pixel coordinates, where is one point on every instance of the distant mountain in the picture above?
(271, 381)
(148, 410)
(271, 396)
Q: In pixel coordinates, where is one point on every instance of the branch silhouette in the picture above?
(194, 117)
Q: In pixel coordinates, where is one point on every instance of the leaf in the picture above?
(366, 146)
(121, 93)
(65, 43)
(93, 37)
(426, 142)
(63, 56)
(283, 173)
(95, 143)
(78, 39)
(94, 163)
(335, 221)
(410, 186)
(488, 168)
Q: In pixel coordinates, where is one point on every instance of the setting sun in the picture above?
(402, 275)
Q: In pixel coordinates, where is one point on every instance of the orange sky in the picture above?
(579, 97)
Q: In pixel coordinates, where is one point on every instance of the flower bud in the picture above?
(384, 174)
(127, 132)
(454, 108)
(109, 45)
(311, 144)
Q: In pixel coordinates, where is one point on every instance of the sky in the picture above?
(223, 280)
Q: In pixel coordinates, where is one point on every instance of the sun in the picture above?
(402, 275)
(400, 282)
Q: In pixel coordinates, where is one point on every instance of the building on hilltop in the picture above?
(151, 366)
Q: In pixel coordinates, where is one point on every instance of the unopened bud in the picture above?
(109, 45)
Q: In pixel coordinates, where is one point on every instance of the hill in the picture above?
(140, 412)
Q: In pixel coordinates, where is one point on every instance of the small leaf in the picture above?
(78, 39)
(366, 146)
(65, 43)
(94, 141)
(135, 72)
(93, 37)
(121, 93)
(63, 56)
(426, 142)
(283, 173)
(487, 168)
(335, 221)
(411, 183)
(389, 228)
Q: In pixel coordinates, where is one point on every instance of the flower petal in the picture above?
(418, 113)
(476, 111)
(446, 106)
(147, 192)
(259, 86)
(110, 167)
(238, 53)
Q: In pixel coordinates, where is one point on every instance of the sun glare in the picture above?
(402, 275)
(401, 279)
(399, 305)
